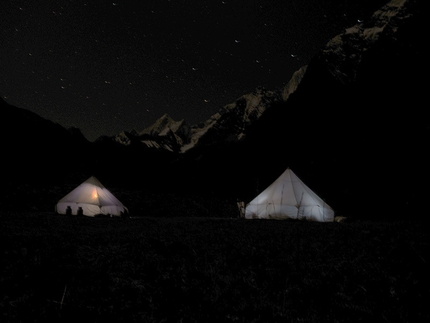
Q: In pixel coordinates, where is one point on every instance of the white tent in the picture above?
(289, 198)
(90, 198)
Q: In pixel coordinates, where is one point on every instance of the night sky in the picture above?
(105, 67)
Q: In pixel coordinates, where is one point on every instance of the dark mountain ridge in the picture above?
(34, 147)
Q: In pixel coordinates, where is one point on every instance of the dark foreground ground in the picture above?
(69, 269)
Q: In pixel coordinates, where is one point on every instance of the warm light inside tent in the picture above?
(95, 194)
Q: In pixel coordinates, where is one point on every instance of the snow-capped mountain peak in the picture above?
(162, 123)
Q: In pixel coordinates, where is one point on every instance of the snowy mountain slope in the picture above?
(292, 85)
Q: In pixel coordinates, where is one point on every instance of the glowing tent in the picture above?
(90, 198)
(289, 198)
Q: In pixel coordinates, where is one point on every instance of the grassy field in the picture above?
(68, 269)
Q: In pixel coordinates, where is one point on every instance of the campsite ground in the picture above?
(151, 269)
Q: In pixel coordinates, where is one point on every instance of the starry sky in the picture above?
(105, 67)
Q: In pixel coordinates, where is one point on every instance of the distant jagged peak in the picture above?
(174, 126)
(124, 137)
(158, 126)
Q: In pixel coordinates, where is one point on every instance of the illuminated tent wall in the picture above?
(90, 198)
(289, 198)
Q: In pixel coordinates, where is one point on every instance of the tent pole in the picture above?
(299, 205)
